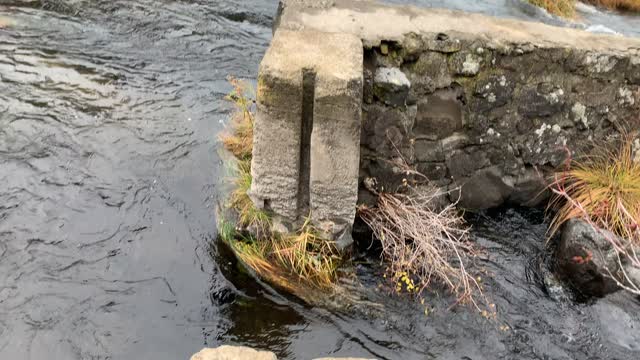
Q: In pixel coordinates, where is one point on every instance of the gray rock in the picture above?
(226, 352)
(485, 189)
(332, 358)
(391, 86)
(466, 63)
(633, 274)
(430, 72)
(440, 114)
(583, 257)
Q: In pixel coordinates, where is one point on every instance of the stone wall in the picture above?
(494, 120)
(488, 106)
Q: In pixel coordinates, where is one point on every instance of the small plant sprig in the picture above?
(239, 141)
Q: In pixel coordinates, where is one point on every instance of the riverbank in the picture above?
(567, 8)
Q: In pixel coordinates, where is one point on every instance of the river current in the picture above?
(109, 179)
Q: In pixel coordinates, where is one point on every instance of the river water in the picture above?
(109, 176)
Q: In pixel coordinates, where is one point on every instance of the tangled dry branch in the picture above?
(430, 244)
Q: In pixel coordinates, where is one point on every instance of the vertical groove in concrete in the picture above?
(308, 96)
(307, 129)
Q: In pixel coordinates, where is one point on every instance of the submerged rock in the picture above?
(584, 256)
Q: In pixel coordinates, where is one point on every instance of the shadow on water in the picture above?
(109, 173)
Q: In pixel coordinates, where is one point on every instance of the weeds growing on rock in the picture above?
(422, 243)
(291, 261)
(250, 217)
(604, 191)
(239, 141)
(294, 262)
(606, 185)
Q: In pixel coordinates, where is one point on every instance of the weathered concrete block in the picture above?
(226, 352)
(276, 142)
(307, 130)
(335, 152)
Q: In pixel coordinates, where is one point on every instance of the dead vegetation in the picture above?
(621, 5)
(564, 8)
(567, 8)
(422, 243)
(604, 191)
(295, 262)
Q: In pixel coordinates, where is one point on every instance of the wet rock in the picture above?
(391, 86)
(485, 189)
(617, 318)
(554, 287)
(583, 257)
(633, 274)
(226, 352)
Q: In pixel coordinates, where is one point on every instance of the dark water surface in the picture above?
(108, 181)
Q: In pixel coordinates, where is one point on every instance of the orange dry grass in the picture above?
(292, 261)
(624, 5)
(605, 186)
(564, 8)
(240, 141)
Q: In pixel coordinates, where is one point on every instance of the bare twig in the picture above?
(429, 244)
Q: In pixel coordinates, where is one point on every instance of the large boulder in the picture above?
(585, 258)
(226, 352)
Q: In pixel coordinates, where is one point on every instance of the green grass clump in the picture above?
(250, 217)
(239, 141)
(605, 187)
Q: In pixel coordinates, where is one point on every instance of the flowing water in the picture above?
(109, 177)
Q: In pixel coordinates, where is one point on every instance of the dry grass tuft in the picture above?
(423, 243)
(240, 140)
(295, 262)
(250, 217)
(564, 8)
(606, 186)
(622, 5)
(604, 191)
(291, 261)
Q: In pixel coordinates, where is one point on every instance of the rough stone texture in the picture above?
(490, 111)
(307, 129)
(391, 86)
(226, 352)
(584, 255)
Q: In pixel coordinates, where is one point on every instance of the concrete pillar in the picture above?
(307, 133)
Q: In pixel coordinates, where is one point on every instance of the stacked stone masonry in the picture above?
(488, 106)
